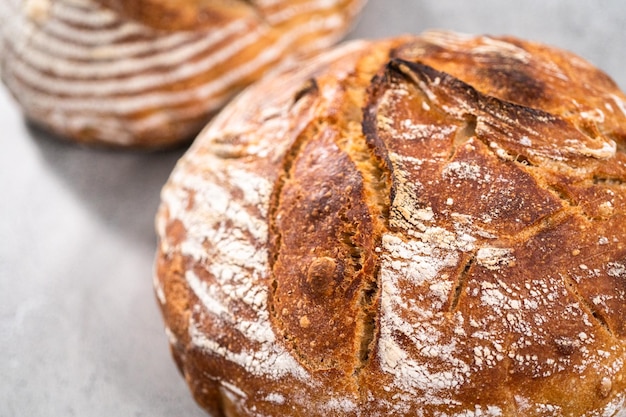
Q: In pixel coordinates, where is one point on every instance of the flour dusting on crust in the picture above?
(464, 251)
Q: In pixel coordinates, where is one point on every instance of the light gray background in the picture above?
(80, 333)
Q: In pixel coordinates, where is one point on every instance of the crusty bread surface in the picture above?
(150, 73)
(429, 225)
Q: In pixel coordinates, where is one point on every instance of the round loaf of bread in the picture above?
(421, 226)
(150, 73)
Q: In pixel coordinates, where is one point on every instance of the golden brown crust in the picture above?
(151, 73)
(430, 225)
(182, 15)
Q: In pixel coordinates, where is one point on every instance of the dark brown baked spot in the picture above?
(319, 276)
(513, 82)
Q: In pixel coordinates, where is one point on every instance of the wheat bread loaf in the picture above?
(150, 73)
(429, 225)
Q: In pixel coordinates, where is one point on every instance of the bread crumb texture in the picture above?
(422, 226)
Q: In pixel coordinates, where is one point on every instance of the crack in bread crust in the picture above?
(461, 282)
(452, 106)
(427, 240)
(357, 224)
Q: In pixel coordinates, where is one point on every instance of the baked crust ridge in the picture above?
(430, 225)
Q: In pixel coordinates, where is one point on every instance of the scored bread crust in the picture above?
(430, 225)
(150, 73)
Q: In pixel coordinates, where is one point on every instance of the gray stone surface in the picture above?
(80, 333)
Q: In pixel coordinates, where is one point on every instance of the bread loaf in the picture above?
(431, 225)
(150, 73)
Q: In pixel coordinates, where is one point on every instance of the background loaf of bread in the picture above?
(150, 73)
(424, 226)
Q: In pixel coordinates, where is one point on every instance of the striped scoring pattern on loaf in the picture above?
(88, 73)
